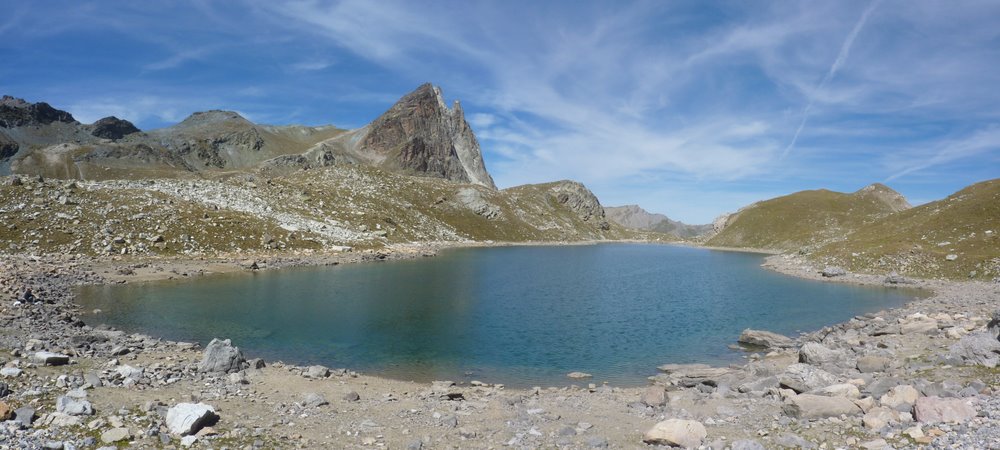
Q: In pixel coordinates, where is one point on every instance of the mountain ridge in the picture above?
(635, 217)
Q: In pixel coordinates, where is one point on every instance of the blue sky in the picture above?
(690, 109)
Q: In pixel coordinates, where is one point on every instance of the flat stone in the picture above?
(845, 390)
(676, 433)
(936, 409)
(807, 406)
(115, 435)
(10, 372)
(50, 359)
(765, 339)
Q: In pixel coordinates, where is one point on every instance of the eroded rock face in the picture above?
(8, 147)
(113, 128)
(15, 112)
(578, 198)
(420, 134)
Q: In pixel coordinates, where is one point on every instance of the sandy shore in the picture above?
(267, 407)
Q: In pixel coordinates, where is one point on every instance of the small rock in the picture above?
(313, 400)
(74, 407)
(352, 396)
(115, 435)
(654, 396)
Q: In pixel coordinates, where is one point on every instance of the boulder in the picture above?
(895, 278)
(313, 400)
(25, 416)
(127, 371)
(979, 348)
(833, 271)
(221, 357)
(316, 372)
(654, 396)
(878, 418)
(804, 378)
(870, 364)
(807, 406)
(765, 339)
(845, 390)
(188, 418)
(676, 433)
(936, 409)
(901, 398)
(74, 406)
(818, 355)
(50, 359)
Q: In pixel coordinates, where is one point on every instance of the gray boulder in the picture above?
(895, 278)
(74, 406)
(807, 406)
(188, 418)
(870, 364)
(818, 355)
(50, 359)
(980, 348)
(766, 339)
(747, 444)
(833, 271)
(803, 378)
(221, 357)
(24, 416)
(313, 400)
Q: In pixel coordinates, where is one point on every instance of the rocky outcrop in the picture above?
(15, 112)
(765, 339)
(113, 128)
(8, 146)
(580, 200)
(421, 135)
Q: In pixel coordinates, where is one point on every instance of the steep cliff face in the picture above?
(421, 135)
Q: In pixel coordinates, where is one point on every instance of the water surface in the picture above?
(516, 315)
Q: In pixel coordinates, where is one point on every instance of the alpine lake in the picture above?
(522, 316)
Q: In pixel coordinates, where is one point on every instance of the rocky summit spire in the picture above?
(421, 135)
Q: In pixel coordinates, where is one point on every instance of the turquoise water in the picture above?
(515, 315)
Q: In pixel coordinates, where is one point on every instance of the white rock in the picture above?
(676, 432)
(188, 418)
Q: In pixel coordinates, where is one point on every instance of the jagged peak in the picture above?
(16, 112)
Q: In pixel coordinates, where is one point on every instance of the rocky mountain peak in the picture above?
(16, 112)
(212, 118)
(421, 135)
(886, 195)
(113, 128)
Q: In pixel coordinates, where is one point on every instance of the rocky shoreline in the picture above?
(911, 377)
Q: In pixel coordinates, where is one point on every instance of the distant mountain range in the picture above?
(634, 217)
(419, 135)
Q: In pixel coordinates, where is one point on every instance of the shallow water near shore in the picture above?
(521, 316)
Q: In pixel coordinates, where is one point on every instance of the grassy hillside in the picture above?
(917, 241)
(807, 219)
(353, 206)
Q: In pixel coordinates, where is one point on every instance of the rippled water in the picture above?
(516, 315)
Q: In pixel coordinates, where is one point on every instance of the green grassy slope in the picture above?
(806, 219)
(917, 241)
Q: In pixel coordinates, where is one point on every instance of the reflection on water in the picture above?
(514, 315)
